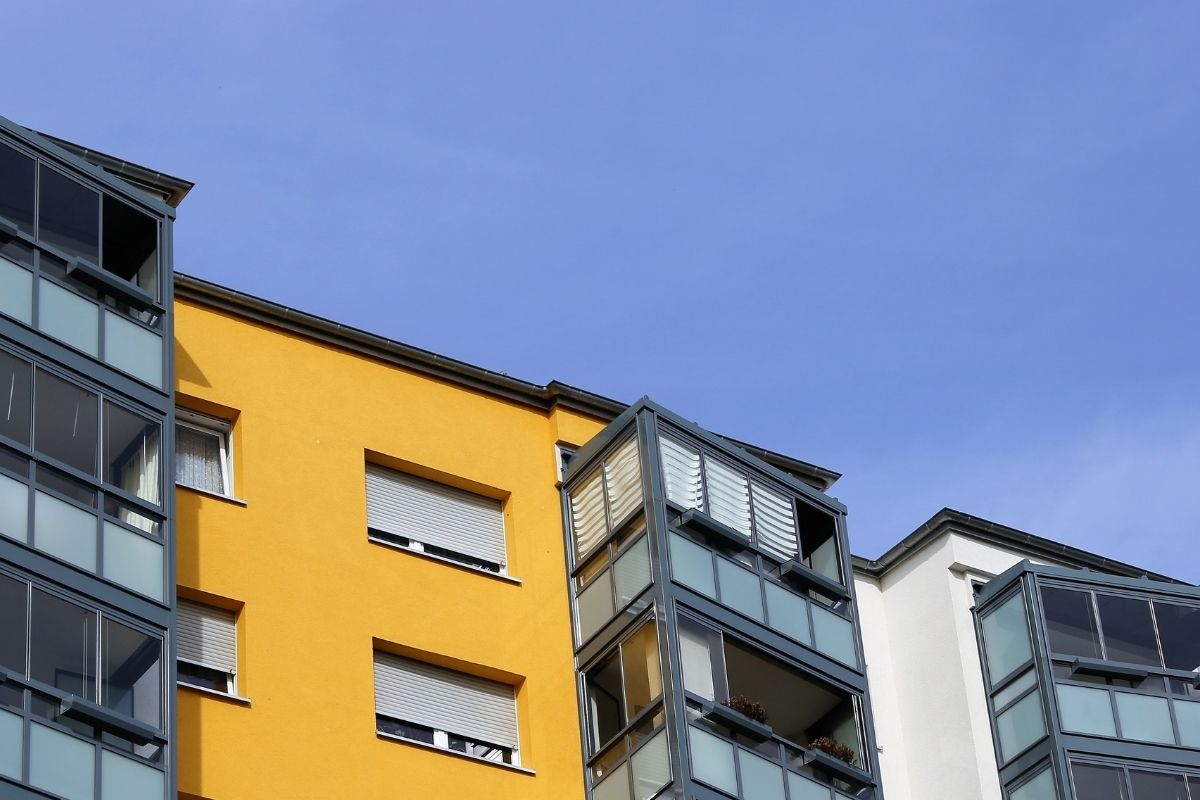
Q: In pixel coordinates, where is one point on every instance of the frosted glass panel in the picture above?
(691, 565)
(1006, 638)
(67, 316)
(595, 606)
(788, 613)
(1040, 788)
(125, 779)
(63, 530)
(651, 767)
(1014, 689)
(1187, 714)
(632, 571)
(16, 291)
(1144, 718)
(10, 745)
(615, 785)
(761, 779)
(14, 509)
(61, 764)
(133, 561)
(133, 348)
(739, 588)
(1085, 710)
(712, 760)
(834, 636)
(1021, 725)
(802, 788)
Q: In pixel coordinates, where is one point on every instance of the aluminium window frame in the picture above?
(222, 429)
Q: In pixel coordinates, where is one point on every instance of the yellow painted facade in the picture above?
(314, 596)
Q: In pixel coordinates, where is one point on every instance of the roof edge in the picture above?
(172, 189)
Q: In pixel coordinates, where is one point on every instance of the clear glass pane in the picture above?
(605, 701)
(17, 188)
(1014, 689)
(1070, 622)
(1006, 638)
(131, 673)
(11, 745)
(1187, 714)
(692, 565)
(1179, 631)
(64, 531)
(125, 779)
(16, 394)
(632, 572)
(1020, 726)
(712, 760)
(67, 417)
(132, 453)
(788, 613)
(1085, 710)
(67, 316)
(643, 679)
(1157, 786)
(132, 348)
(133, 561)
(14, 509)
(1128, 630)
(614, 786)
(1094, 782)
(13, 605)
(595, 606)
(62, 650)
(1040, 788)
(739, 588)
(16, 292)
(834, 636)
(761, 779)
(802, 788)
(1144, 718)
(69, 215)
(651, 767)
(61, 764)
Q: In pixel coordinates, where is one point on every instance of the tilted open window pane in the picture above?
(132, 453)
(1179, 631)
(1070, 622)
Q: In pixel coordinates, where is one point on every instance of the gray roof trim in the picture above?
(949, 521)
(425, 362)
(173, 189)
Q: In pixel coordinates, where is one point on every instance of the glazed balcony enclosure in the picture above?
(716, 640)
(1093, 683)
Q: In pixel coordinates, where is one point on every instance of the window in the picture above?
(606, 499)
(207, 647)
(563, 454)
(203, 457)
(600, 592)
(427, 517)
(444, 708)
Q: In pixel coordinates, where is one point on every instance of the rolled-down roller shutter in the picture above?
(435, 514)
(465, 705)
(206, 636)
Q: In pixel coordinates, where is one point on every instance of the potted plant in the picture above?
(747, 708)
(834, 748)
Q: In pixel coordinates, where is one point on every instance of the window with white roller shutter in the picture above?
(206, 646)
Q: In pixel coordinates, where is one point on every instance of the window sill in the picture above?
(232, 698)
(455, 753)
(237, 501)
(443, 560)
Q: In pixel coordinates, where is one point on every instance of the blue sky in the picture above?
(948, 249)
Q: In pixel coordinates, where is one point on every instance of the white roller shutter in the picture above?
(435, 514)
(728, 496)
(206, 636)
(587, 514)
(774, 521)
(465, 705)
(623, 480)
(681, 473)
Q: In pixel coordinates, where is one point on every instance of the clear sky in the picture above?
(949, 249)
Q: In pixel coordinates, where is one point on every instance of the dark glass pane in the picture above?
(131, 244)
(16, 188)
(61, 483)
(1070, 624)
(1157, 786)
(131, 673)
(1128, 629)
(1179, 630)
(69, 215)
(204, 677)
(818, 540)
(131, 516)
(12, 695)
(394, 727)
(66, 422)
(13, 605)
(15, 250)
(16, 397)
(62, 648)
(14, 462)
(1094, 782)
(605, 701)
(132, 452)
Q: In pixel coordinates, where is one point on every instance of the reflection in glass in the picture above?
(1128, 629)
(16, 382)
(1070, 623)
(1096, 782)
(62, 650)
(69, 215)
(1157, 786)
(66, 422)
